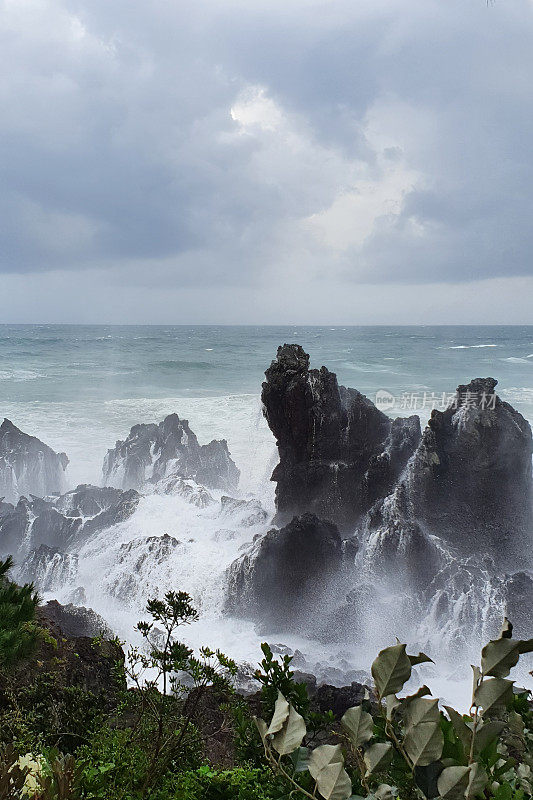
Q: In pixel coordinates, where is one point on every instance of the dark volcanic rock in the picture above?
(470, 480)
(248, 512)
(75, 621)
(59, 524)
(337, 451)
(28, 466)
(154, 452)
(48, 569)
(286, 574)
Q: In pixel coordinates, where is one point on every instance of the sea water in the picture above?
(80, 388)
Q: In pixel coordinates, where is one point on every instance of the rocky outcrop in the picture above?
(49, 569)
(75, 621)
(138, 563)
(28, 466)
(286, 573)
(337, 451)
(187, 489)
(153, 452)
(58, 524)
(469, 482)
(245, 513)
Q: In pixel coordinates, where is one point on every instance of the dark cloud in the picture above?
(238, 143)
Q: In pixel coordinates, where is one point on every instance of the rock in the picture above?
(75, 621)
(153, 452)
(28, 466)
(136, 561)
(329, 440)
(248, 512)
(190, 491)
(339, 699)
(469, 482)
(62, 522)
(48, 569)
(285, 575)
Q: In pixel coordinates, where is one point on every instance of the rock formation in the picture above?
(285, 573)
(28, 466)
(58, 524)
(337, 451)
(154, 452)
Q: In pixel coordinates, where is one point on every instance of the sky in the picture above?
(266, 161)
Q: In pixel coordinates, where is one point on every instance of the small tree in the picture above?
(18, 631)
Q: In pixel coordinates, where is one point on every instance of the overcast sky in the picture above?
(266, 161)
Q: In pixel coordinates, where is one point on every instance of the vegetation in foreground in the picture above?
(70, 728)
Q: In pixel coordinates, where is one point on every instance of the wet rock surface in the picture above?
(153, 452)
(28, 466)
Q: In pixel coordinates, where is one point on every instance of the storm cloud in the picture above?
(246, 160)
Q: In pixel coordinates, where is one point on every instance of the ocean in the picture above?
(80, 388)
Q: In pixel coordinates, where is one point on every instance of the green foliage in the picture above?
(239, 783)
(277, 677)
(410, 743)
(18, 632)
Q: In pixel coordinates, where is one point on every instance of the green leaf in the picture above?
(358, 724)
(291, 734)
(423, 743)
(262, 727)
(421, 709)
(326, 765)
(300, 759)
(477, 781)
(463, 732)
(281, 713)
(493, 694)
(507, 629)
(378, 756)
(392, 703)
(499, 656)
(453, 782)
(487, 734)
(421, 658)
(391, 669)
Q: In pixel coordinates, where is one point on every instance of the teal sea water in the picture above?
(81, 387)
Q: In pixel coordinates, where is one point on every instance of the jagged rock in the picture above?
(469, 482)
(339, 698)
(330, 440)
(60, 523)
(87, 500)
(75, 621)
(135, 562)
(248, 512)
(190, 491)
(28, 466)
(153, 452)
(286, 573)
(48, 569)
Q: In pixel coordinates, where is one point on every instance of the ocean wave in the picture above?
(516, 360)
(19, 375)
(468, 346)
(183, 365)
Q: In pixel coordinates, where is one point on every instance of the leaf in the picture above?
(262, 727)
(420, 710)
(358, 724)
(507, 629)
(392, 703)
(291, 734)
(281, 712)
(378, 756)
(391, 669)
(421, 658)
(525, 646)
(463, 732)
(422, 692)
(477, 781)
(499, 656)
(493, 694)
(326, 765)
(453, 782)
(476, 679)
(386, 792)
(487, 734)
(300, 759)
(423, 743)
